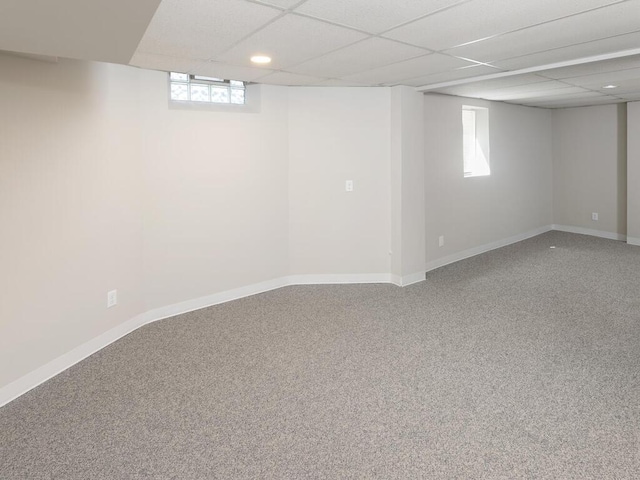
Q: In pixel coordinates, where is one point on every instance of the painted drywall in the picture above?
(407, 185)
(105, 30)
(475, 211)
(589, 168)
(633, 173)
(70, 207)
(216, 194)
(105, 186)
(339, 134)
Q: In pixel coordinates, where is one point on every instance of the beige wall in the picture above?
(476, 211)
(216, 200)
(339, 134)
(70, 207)
(589, 175)
(407, 184)
(633, 173)
(103, 186)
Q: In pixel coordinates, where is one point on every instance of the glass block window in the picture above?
(196, 88)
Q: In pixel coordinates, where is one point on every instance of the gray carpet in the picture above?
(520, 363)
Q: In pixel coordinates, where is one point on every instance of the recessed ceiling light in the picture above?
(261, 59)
(610, 86)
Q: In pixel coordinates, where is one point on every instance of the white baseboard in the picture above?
(214, 299)
(633, 241)
(472, 252)
(411, 279)
(589, 231)
(49, 370)
(324, 279)
(58, 365)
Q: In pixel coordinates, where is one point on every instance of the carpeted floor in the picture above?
(520, 363)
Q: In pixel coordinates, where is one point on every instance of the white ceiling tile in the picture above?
(632, 97)
(286, 78)
(415, 67)
(479, 19)
(278, 3)
(496, 85)
(570, 103)
(335, 82)
(365, 55)
(291, 40)
(606, 78)
(594, 25)
(460, 73)
(151, 61)
(231, 72)
(607, 45)
(201, 28)
(515, 95)
(623, 87)
(592, 68)
(564, 96)
(372, 16)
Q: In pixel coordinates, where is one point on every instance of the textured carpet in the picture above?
(520, 363)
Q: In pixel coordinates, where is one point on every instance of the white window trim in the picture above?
(480, 165)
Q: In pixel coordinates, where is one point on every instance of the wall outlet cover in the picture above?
(112, 298)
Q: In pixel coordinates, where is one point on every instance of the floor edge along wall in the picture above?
(40, 375)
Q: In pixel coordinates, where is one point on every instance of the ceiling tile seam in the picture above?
(257, 79)
(476, 62)
(533, 25)
(436, 73)
(359, 30)
(287, 12)
(284, 9)
(567, 104)
(426, 52)
(421, 17)
(381, 33)
(558, 48)
(590, 89)
(577, 99)
(534, 69)
(262, 27)
(598, 73)
(388, 65)
(574, 85)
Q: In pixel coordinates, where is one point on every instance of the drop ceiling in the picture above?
(543, 53)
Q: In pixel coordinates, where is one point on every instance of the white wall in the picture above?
(70, 207)
(339, 134)
(633, 173)
(103, 186)
(589, 175)
(216, 199)
(476, 211)
(407, 185)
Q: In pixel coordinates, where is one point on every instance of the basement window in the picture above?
(475, 141)
(205, 90)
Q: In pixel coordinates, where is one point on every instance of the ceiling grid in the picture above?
(546, 53)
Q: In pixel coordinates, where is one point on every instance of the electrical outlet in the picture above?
(348, 185)
(594, 216)
(112, 298)
(441, 241)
